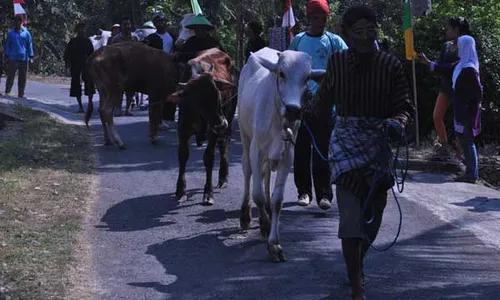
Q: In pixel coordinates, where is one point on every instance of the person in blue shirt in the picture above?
(319, 44)
(18, 50)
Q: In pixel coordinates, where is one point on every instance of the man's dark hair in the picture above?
(17, 18)
(462, 24)
(356, 13)
(255, 27)
(80, 25)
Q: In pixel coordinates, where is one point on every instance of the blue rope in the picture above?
(394, 162)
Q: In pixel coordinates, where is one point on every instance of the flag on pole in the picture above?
(196, 7)
(288, 18)
(408, 30)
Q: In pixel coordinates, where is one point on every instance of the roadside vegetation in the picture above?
(46, 180)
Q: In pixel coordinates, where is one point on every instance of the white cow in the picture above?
(270, 89)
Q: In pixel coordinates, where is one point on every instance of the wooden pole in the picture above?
(414, 75)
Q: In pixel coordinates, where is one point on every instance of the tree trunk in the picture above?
(239, 37)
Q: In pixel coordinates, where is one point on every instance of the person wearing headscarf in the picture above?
(467, 92)
(76, 53)
(319, 44)
(455, 28)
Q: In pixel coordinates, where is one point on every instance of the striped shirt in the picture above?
(365, 87)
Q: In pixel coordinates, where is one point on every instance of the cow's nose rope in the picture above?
(393, 162)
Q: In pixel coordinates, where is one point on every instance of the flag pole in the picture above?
(414, 75)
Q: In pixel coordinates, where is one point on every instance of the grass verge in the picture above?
(46, 177)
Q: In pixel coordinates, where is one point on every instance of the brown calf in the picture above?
(207, 104)
(131, 67)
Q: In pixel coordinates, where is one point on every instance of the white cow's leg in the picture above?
(245, 211)
(283, 169)
(256, 159)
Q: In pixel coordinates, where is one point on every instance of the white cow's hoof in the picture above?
(245, 216)
(265, 225)
(207, 200)
(122, 146)
(276, 252)
(183, 198)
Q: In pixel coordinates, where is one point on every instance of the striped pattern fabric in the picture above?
(373, 87)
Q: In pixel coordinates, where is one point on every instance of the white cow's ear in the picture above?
(317, 74)
(273, 67)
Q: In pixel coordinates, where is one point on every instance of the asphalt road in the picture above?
(148, 246)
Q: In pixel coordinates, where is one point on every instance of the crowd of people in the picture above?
(350, 102)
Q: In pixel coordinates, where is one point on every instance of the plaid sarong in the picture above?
(356, 143)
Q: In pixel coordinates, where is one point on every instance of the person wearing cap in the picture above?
(76, 53)
(255, 40)
(201, 40)
(163, 40)
(125, 34)
(319, 44)
(115, 30)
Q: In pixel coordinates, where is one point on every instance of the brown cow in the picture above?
(131, 67)
(207, 103)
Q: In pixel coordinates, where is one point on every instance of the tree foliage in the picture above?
(52, 21)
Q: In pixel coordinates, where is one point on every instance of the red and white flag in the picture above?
(19, 10)
(288, 18)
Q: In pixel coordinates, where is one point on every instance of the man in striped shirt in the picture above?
(369, 88)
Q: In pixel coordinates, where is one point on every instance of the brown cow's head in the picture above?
(202, 94)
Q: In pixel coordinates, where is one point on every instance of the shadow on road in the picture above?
(481, 204)
(144, 212)
(213, 267)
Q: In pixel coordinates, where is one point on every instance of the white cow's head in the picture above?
(293, 70)
(184, 33)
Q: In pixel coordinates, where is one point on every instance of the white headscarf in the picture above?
(468, 56)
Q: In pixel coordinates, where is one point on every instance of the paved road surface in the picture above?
(147, 246)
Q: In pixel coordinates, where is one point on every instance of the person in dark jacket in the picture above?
(466, 98)
(255, 40)
(163, 40)
(76, 53)
(201, 40)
